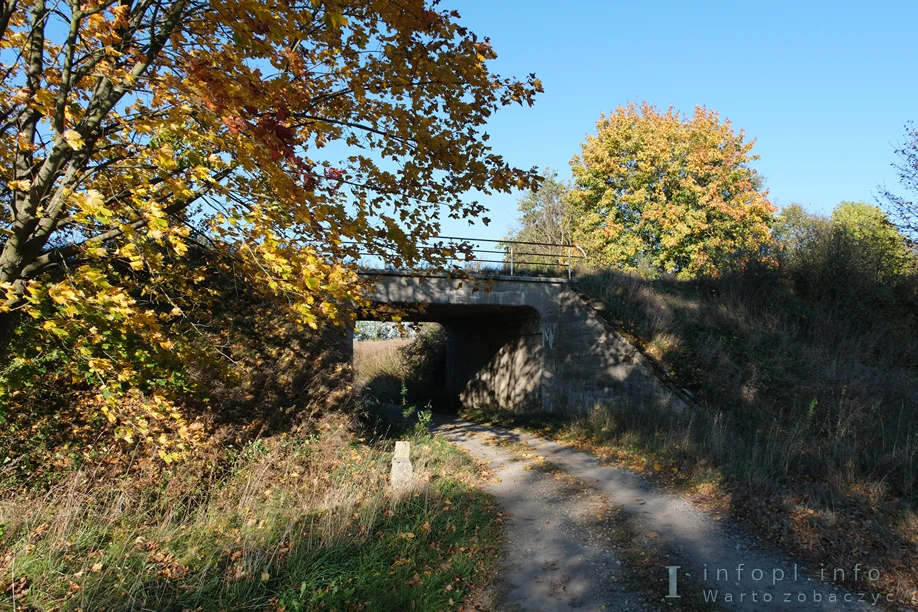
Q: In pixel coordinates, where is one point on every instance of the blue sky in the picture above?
(825, 88)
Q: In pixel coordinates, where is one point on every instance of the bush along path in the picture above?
(582, 535)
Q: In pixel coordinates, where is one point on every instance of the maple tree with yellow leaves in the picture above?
(658, 192)
(281, 138)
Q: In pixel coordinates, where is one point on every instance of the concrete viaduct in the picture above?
(525, 343)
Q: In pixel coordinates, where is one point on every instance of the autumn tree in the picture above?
(661, 192)
(281, 139)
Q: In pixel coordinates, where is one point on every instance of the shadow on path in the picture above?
(718, 556)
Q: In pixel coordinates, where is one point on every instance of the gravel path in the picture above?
(557, 561)
(555, 558)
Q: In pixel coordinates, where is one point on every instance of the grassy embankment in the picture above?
(286, 523)
(807, 418)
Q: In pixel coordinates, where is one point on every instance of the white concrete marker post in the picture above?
(402, 475)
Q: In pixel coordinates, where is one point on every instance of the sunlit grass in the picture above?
(288, 523)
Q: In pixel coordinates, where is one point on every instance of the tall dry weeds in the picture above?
(806, 407)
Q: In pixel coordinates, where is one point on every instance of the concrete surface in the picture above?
(555, 560)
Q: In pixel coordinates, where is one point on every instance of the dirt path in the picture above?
(558, 559)
(555, 557)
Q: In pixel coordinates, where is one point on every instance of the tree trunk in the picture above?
(8, 321)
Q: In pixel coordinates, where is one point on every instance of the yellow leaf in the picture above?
(74, 139)
(180, 247)
(165, 157)
(201, 173)
(336, 20)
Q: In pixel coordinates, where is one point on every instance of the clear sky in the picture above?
(825, 88)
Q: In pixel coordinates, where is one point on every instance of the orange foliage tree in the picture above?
(283, 138)
(659, 192)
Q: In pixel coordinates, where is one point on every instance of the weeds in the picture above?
(287, 523)
(811, 390)
(405, 371)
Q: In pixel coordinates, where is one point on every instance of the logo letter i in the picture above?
(673, 581)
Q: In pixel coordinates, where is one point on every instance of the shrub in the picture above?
(252, 375)
(857, 259)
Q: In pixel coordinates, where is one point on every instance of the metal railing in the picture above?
(517, 255)
(512, 254)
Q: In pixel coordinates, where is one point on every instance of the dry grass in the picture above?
(380, 362)
(286, 523)
(825, 394)
(404, 370)
(808, 414)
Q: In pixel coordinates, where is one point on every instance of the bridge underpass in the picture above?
(524, 343)
(493, 352)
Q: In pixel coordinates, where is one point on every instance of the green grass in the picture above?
(288, 523)
(414, 561)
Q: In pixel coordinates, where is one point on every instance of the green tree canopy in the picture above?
(544, 212)
(545, 218)
(856, 257)
(880, 243)
(672, 194)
